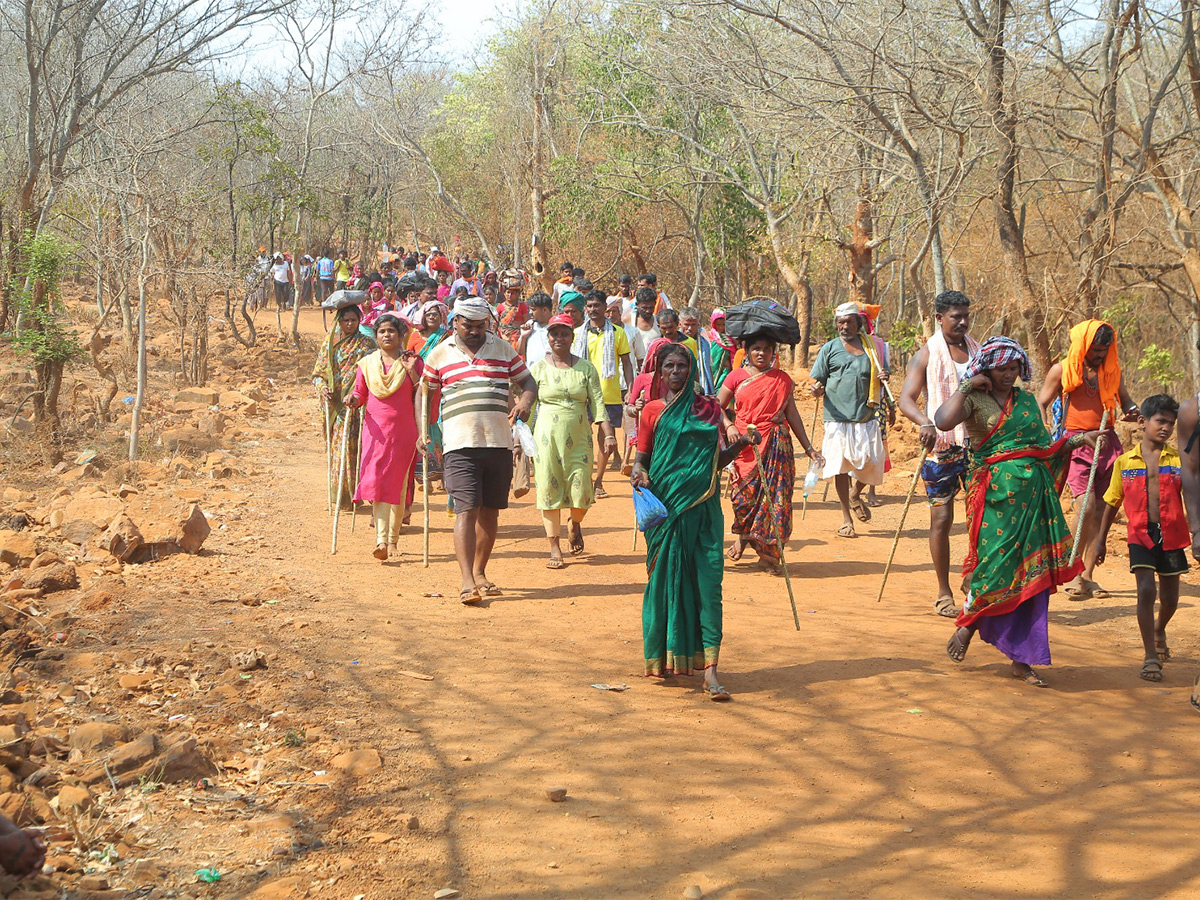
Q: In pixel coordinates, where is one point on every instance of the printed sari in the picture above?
(336, 366)
(721, 355)
(1020, 546)
(681, 607)
(759, 508)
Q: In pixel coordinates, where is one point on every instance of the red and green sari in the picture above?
(760, 507)
(1020, 546)
(681, 607)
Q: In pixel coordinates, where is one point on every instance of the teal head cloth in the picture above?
(571, 298)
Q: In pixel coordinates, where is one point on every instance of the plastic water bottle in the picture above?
(811, 479)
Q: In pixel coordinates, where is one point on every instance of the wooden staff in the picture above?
(337, 506)
(1083, 507)
(425, 466)
(362, 423)
(762, 478)
(899, 528)
(328, 452)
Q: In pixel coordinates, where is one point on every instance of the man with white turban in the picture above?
(848, 375)
(470, 375)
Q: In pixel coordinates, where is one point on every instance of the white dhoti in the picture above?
(854, 448)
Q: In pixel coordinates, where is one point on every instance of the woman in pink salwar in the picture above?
(386, 382)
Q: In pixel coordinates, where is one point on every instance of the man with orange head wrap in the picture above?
(1089, 382)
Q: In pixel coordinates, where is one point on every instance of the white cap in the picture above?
(433, 249)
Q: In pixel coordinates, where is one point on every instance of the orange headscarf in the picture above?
(1108, 379)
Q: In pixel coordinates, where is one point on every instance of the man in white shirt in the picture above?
(534, 342)
(624, 296)
(644, 330)
(281, 275)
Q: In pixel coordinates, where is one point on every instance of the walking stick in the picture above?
(1083, 508)
(337, 507)
(899, 528)
(425, 466)
(328, 453)
(362, 421)
(762, 477)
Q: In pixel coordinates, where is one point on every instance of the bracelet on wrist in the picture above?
(966, 386)
(929, 425)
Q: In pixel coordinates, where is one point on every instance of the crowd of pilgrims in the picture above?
(482, 381)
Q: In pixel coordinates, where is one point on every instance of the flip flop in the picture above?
(1097, 592)
(556, 564)
(1152, 670)
(717, 693)
(955, 648)
(860, 510)
(487, 589)
(469, 596)
(945, 606)
(1031, 678)
(733, 554)
(847, 531)
(602, 494)
(576, 546)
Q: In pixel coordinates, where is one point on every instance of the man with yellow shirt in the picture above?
(602, 344)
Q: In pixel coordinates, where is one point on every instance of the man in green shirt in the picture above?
(603, 344)
(848, 376)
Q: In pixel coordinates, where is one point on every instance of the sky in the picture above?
(469, 22)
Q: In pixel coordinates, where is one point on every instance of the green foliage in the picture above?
(904, 337)
(1158, 365)
(44, 338)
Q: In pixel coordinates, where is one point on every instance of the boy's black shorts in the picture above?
(1164, 562)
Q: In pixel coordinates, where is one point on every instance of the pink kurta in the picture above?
(389, 443)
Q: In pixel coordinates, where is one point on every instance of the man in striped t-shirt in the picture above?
(469, 376)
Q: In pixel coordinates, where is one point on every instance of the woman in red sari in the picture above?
(761, 397)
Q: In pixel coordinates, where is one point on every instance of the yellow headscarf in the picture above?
(1108, 378)
(382, 383)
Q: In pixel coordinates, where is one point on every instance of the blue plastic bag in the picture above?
(1058, 419)
(647, 509)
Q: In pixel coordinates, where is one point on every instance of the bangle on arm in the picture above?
(966, 386)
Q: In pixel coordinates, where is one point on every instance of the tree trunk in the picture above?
(1012, 241)
(861, 253)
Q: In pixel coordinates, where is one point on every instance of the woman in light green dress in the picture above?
(569, 400)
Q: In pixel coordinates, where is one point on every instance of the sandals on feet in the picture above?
(1077, 589)
(576, 542)
(380, 551)
(955, 648)
(860, 510)
(487, 589)
(847, 531)
(945, 606)
(556, 563)
(717, 693)
(1161, 650)
(601, 493)
(469, 596)
(1152, 670)
(1031, 678)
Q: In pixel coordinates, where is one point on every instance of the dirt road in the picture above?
(856, 759)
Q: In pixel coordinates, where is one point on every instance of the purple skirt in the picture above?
(1021, 634)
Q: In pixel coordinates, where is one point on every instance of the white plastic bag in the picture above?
(523, 438)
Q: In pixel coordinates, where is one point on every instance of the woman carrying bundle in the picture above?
(333, 376)
(761, 396)
(386, 383)
(678, 458)
(568, 387)
(1020, 547)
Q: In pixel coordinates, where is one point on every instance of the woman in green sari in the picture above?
(1020, 546)
(333, 376)
(429, 328)
(678, 458)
